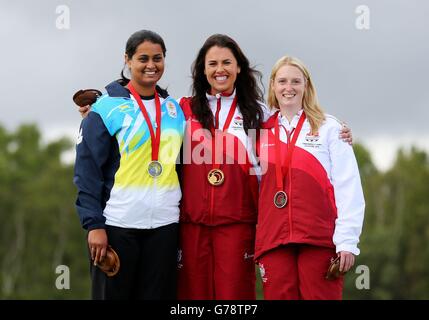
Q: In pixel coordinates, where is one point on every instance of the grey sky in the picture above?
(374, 79)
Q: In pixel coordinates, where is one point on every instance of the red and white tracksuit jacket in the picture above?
(217, 222)
(235, 201)
(326, 203)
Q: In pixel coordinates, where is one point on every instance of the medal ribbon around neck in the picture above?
(218, 174)
(155, 139)
(280, 174)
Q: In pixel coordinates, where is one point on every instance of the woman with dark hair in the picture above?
(249, 94)
(219, 203)
(128, 188)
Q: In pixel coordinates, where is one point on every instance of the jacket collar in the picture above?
(225, 97)
(114, 89)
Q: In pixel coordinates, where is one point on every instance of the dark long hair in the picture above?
(133, 42)
(249, 94)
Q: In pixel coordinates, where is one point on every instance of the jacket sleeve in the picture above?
(92, 152)
(349, 197)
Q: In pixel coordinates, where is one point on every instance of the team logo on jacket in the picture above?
(237, 122)
(312, 140)
(79, 136)
(171, 109)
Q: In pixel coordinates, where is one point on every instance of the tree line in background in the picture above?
(40, 230)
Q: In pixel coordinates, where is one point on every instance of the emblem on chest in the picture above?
(237, 123)
(312, 140)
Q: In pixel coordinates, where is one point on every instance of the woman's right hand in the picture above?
(347, 260)
(84, 110)
(97, 243)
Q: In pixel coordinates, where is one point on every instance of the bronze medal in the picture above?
(216, 177)
(280, 199)
(86, 97)
(154, 169)
(334, 269)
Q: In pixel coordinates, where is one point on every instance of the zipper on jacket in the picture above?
(153, 204)
(290, 207)
(211, 205)
(216, 126)
(290, 188)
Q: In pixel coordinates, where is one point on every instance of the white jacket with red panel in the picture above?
(326, 203)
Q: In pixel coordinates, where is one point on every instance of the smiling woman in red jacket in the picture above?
(311, 204)
(219, 195)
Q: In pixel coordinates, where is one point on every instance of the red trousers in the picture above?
(216, 263)
(297, 271)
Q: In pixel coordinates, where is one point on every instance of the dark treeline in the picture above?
(39, 228)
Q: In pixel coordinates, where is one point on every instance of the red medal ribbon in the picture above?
(279, 172)
(155, 139)
(225, 127)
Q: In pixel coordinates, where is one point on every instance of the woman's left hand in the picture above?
(347, 260)
(346, 134)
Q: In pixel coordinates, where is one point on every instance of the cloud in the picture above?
(373, 79)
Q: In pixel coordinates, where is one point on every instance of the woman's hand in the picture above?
(347, 260)
(346, 134)
(97, 243)
(84, 110)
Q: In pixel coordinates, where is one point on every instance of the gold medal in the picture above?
(280, 199)
(216, 177)
(154, 169)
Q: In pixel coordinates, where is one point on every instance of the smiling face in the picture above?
(146, 65)
(289, 86)
(221, 69)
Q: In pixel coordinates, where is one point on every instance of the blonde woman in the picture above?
(311, 204)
